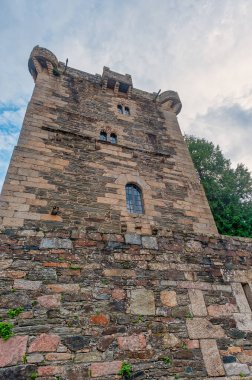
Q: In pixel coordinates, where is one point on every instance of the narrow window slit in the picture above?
(120, 108)
(103, 136)
(113, 138)
(126, 110)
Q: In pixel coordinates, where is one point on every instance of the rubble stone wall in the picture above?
(175, 306)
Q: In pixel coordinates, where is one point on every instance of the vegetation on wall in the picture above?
(228, 190)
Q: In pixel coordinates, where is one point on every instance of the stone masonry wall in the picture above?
(59, 160)
(92, 286)
(175, 306)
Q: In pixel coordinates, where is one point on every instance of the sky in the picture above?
(199, 48)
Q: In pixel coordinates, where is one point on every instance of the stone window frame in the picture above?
(137, 205)
(106, 135)
(123, 109)
(146, 220)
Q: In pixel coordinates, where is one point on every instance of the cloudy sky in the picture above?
(200, 48)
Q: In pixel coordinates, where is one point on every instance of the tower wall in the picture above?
(60, 162)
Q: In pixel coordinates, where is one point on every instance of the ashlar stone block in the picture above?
(55, 243)
(243, 321)
(149, 242)
(221, 310)
(197, 302)
(168, 298)
(211, 357)
(142, 302)
(240, 297)
(236, 369)
(133, 239)
(201, 328)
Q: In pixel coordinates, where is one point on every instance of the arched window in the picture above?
(119, 108)
(113, 138)
(134, 199)
(127, 111)
(103, 136)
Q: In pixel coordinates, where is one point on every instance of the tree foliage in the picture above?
(228, 190)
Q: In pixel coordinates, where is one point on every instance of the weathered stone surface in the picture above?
(50, 301)
(243, 321)
(105, 342)
(77, 342)
(201, 328)
(142, 302)
(58, 356)
(77, 372)
(88, 357)
(64, 288)
(236, 369)
(241, 299)
(234, 349)
(45, 274)
(4, 264)
(99, 319)
(35, 358)
(105, 368)
(132, 343)
(49, 370)
(55, 243)
(192, 343)
(13, 300)
(170, 340)
(133, 239)
(149, 242)
(245, 357)
(168, 298)
(197, 303)
(118, 294)
(193, 246)
(27, 285)
(228, 359)
(22, 372)
(211, 357)
(125, 273)
(45, 343)
(221, 310)
(12, 350)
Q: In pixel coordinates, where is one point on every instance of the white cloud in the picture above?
(12, 117)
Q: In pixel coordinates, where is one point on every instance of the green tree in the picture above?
(228, 190)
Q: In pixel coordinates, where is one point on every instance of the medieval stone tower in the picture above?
(108, 250)
(84, 139)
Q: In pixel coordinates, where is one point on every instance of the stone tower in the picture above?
(109, 255)
(63, 172)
